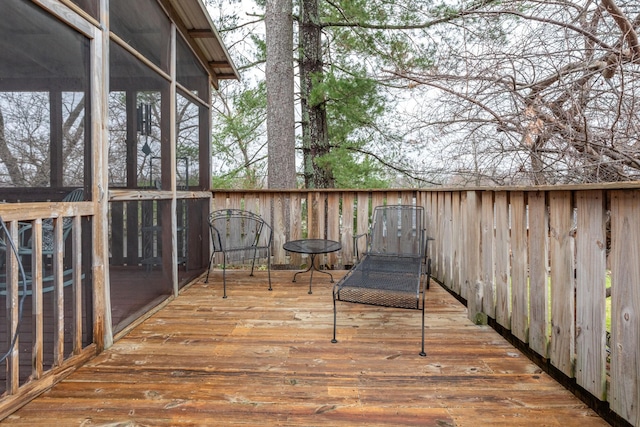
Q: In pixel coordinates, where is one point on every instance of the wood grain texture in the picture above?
(448, 243)
(591, 254)
(471, 256)
(519, 268)
(562, 282)
(333, 226)
(295, 226)
(346, 229)
(457, 263)
(625, 303)
(538, 273)
(265, 358)
(441, 237)
(503, 266)
(280, 206)
(487, 253)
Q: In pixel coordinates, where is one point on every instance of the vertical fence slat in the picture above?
(236, 200)
(407, 198)
(438, 262)
(250, 203)
(279, 236)
(472, 255)
(295, 226)
(448, 243)
(377, 199)
(538, 273)
(427, 203)
(434, 223)
(346, 232)
(562, 282)
(519, 268)
(457, 238)
(438, 224)
(333, 225)
(392, 198)
(591, 248)
(461, 237)
(322, 216)
(219, 201)
(264, 203)
(503, 289)
(362, 220)
(488, 241)
(625, 305)
(313, 211)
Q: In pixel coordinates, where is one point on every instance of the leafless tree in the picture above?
(531, 92)
(26, 143)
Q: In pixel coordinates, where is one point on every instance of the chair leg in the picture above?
(422, 352)
(253, 261)
(424, 297)
(269, 267)
(334, 340)
(224, 275)
(206, 280)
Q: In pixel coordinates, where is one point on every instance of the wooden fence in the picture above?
(538, 262)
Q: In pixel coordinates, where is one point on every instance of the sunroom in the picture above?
(104, 172)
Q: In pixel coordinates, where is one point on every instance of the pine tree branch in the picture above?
(403, 171)
(418, 26)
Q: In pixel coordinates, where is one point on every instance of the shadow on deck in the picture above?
(265, 358)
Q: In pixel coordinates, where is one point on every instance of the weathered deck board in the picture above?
(265, 358)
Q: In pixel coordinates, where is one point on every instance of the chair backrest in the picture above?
(397, 230)
(235, 229)
(76, 195)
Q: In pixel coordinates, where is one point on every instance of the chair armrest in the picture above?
(356, 238)
(426, 247)
(216, 239)
(269, 230)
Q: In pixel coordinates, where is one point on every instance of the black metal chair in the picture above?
(390, 273)
(25, 248)
(24, 233)
(238, 235)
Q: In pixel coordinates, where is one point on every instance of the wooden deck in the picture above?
(265, 358)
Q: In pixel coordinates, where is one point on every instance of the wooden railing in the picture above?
(536, 261)
(47, 296)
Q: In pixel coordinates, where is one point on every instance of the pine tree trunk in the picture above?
(280, 97)
(315, 135)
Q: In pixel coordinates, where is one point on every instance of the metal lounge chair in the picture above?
(246, 234)
(391, 269)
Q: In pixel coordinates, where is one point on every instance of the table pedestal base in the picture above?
(312, 267)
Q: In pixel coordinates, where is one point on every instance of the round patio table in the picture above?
(312, 247)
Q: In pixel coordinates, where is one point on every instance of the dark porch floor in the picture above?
(265, 358)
